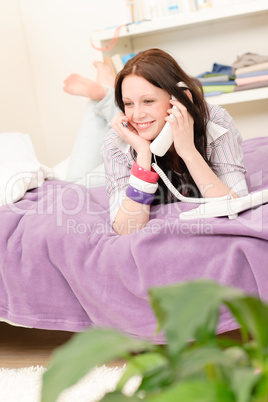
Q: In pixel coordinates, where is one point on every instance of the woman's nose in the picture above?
(138, 112)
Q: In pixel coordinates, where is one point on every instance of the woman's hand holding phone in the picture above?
(182, 129)
(128, 133)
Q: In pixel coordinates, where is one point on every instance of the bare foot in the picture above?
(105, 76)
(76, 84)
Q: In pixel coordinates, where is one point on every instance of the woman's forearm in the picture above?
(206, 180)
(133, 215)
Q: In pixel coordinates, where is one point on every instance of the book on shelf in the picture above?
(116, 62)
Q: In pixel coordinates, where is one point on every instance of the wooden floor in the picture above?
(25, 347)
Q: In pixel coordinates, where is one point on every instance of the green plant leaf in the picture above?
(117, 396)
(141, 364)
(206, 372)
(200, 358)
(252, 314)
(261, 391)
(238, 355)
(189, 310)
(242, 382)
(82, 353)
(157, 378)
(195, 391)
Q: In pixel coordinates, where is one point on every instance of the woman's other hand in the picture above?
(129, 134)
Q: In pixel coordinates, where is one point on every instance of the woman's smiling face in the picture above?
(145, 106)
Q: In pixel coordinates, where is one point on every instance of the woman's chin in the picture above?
(149, 136)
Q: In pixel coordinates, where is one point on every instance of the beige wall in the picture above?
(57, 34)
(41, 43)
(18, 103)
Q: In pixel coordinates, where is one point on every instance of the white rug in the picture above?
(24, 385)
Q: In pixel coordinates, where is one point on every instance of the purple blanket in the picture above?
(62, 267)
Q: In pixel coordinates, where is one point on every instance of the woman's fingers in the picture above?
(182, 128)
(118, 119)
(180, 112)
(123, 128)
(119, 123)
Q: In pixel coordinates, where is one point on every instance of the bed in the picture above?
(62, 267)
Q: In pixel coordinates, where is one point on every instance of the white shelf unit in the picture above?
(239, 97)
(178, 21)
(192, 20)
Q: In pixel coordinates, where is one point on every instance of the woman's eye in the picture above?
(148, 101)
(127, 104)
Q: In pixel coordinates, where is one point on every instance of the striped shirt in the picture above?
(223, 151)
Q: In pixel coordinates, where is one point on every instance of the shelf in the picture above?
(239, 97)
(191, 20)
(185, 20)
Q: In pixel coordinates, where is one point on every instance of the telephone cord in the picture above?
(181, 197)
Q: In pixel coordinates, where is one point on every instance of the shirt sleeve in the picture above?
(226, 156)
(117, 166)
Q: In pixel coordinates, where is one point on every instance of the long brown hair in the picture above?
(163, 71)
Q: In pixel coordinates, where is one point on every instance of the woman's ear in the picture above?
(188, 93)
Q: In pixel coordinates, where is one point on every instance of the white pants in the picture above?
(85, 156)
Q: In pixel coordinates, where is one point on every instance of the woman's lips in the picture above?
(143, 126)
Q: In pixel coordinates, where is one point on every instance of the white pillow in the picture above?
(20, 169)
(95, 178)
(60, 170)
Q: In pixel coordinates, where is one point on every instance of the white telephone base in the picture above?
(230, 208)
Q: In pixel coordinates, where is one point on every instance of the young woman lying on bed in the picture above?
(205, 159)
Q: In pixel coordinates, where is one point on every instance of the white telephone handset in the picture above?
(160, 145)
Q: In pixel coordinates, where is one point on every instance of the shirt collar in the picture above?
(214, 131)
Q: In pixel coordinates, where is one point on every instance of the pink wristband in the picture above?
(144, 174)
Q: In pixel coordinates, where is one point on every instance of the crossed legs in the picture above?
(76, 84)
(100, 109)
